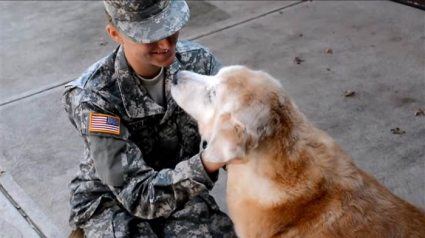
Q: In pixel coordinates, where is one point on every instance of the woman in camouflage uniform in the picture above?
(142, 175)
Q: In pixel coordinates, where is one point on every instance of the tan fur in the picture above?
(295, 180)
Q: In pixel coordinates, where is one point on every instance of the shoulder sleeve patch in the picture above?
(104, 124)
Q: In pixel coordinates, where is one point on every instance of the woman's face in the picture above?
(160, 53)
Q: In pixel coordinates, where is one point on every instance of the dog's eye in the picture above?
(204, 144)
(211, 92)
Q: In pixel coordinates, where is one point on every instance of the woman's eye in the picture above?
(204, 144)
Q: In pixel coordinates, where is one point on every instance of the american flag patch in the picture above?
(104, 123)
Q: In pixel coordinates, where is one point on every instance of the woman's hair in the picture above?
(110, 21)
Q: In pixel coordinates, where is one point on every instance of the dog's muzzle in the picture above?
(181, 76)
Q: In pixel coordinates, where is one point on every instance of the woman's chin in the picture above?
(164, 60)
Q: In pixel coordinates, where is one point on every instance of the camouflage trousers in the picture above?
(199, 218)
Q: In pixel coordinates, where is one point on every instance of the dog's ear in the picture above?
(247, 137)
(256, 122)
(230, 139)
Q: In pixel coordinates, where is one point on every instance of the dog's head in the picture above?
(236, 110)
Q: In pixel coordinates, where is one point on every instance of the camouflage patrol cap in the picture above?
(147, 21)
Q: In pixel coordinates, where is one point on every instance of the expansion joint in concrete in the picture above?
(22, 212)
(243, 22)
(212, 32)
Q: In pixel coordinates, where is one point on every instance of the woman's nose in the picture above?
(165, 43)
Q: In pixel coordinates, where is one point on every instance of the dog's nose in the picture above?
(180, 76)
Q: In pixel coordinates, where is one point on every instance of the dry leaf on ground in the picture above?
(297, 60)
(348, 93)
(397, 131)
(420, 112)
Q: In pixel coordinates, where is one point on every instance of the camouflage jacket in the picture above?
(149, 160)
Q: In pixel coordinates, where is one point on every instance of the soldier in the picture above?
(142, 174)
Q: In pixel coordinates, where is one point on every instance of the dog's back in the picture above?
(320, 194)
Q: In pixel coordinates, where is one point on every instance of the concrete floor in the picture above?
(378, 52)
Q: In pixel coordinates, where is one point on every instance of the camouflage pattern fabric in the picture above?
(151, 189)
(148, 20)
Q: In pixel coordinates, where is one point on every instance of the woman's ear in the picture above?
(114, 34)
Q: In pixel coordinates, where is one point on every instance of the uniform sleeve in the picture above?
(119, 163)
(215, 64)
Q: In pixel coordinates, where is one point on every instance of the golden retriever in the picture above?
(292, 179)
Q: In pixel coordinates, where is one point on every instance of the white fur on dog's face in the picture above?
(231, 122)
(195, 94)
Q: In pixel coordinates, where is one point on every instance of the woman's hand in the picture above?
(211, 167)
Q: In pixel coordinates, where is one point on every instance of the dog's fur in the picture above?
(292, 179)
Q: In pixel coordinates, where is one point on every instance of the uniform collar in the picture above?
(136, 103)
